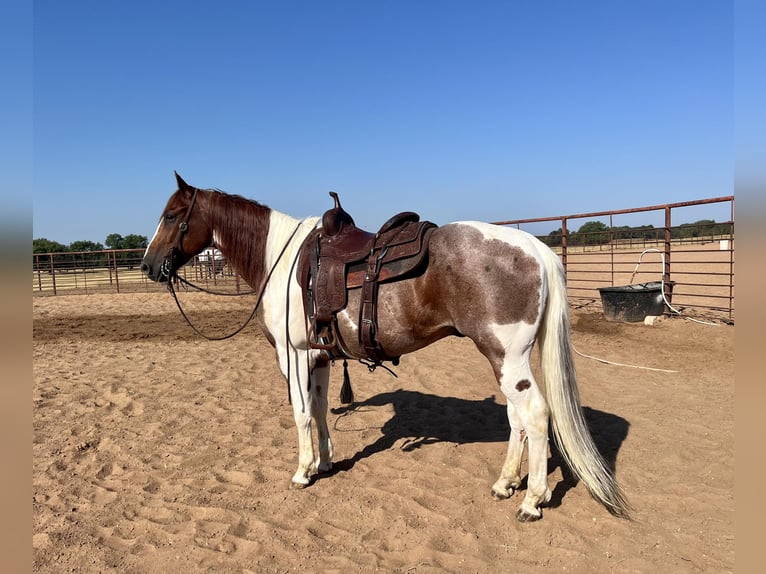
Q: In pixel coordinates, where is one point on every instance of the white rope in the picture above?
(662, 283)
(621, 364)
(664, 298)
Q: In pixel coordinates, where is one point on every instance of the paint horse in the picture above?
(498, 286)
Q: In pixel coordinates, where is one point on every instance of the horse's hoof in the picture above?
(297, 485)
(524, 516)
(500, 495)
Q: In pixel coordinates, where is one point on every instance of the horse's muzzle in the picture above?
(156, 272)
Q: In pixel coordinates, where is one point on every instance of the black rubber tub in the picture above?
(632, 303)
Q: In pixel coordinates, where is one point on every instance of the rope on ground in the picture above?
(622, 364)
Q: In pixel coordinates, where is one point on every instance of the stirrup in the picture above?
(327, 332)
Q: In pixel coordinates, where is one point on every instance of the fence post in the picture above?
(84, 271)
(39, 278)
(611, 247)
(731, 260)
(666, 270)
(116, 271)
(53, 274)
(564, 243)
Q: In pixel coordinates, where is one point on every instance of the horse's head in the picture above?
(183, 232)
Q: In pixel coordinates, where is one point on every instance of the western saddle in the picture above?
(338, 257)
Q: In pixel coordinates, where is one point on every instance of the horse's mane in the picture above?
(242, 227)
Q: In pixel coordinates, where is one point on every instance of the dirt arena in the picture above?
(156, 451)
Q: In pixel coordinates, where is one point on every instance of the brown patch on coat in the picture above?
(500, 283)
(483, 281)
(523, 385)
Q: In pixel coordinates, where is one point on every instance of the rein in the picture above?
(210, 291)
(174, 275)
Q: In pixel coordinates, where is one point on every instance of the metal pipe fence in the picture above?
(119, 271)
(698, 261)
(694, 261)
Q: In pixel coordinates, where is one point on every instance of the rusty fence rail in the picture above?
(118, 271)
(695, 262)
(699, 265)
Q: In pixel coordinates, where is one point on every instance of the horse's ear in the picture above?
(182, 185)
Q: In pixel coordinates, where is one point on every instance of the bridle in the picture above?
(169, 263)
(169, 270)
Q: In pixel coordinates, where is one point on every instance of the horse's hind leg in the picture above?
(510, 476)
(528, 417)
(521, 390)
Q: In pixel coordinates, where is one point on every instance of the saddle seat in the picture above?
(339, 256)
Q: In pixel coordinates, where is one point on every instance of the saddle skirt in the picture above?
(339, 256)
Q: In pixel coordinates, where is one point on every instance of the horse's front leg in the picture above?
(306, 464)
(296, 369)
(320, 381)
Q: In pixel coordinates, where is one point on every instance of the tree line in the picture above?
(598, 233)
(112, 241)
(89, 253)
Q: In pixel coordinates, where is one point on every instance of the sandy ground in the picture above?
(157, 451)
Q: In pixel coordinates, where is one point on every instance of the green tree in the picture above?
(114, 241)
(89, 253)
(553, 239)
(132, 241)
(85, 245)
(701, 228)
(43, 245)
(592, 233)
(135, 242)
(639, 232)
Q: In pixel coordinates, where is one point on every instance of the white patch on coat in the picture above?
(278, 300)
(509, 235)
(156, 231)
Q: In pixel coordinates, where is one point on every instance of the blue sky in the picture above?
(457, 110)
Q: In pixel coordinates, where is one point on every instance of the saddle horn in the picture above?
(335, 219)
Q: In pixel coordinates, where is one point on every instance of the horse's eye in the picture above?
(170, 217)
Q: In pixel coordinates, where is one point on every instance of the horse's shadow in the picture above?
(421, 419)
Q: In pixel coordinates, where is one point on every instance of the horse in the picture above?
(501, 287)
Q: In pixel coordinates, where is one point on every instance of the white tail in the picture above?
(570, 430)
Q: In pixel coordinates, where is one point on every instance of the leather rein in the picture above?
(169, 270)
